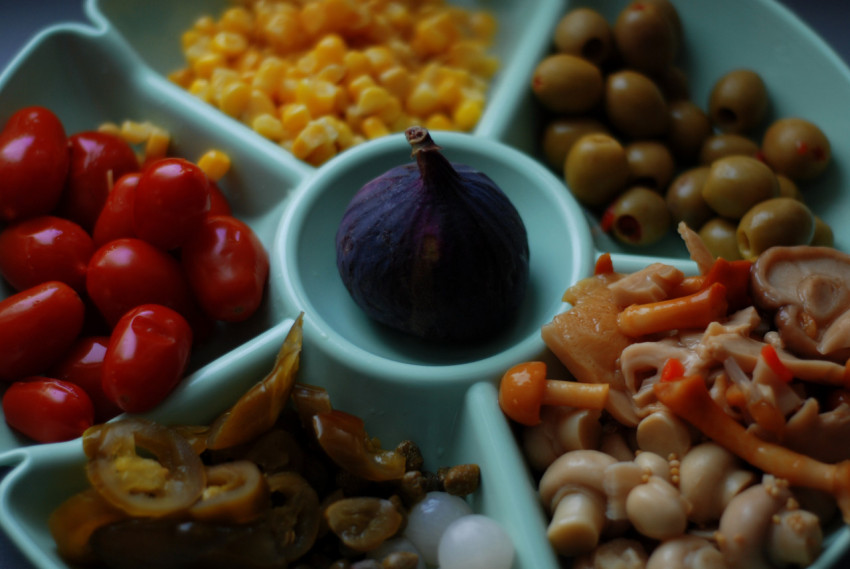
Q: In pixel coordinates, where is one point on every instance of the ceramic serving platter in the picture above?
(444, 398)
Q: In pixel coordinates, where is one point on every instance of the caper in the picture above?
(797, 148)
(639, 216)
(738, 101)
(719, 237)
(737, 183)
(777, 221)
(566, 83)
(684, 198)
(596, 169)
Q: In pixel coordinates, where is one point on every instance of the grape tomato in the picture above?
(45, 248)
(116, 217)
(171, 201)
(128, 272)
(37, 326)
(83, 365)
(146, 356)
(98, 159)
(227, 268)
(48, 410)
(34, 162)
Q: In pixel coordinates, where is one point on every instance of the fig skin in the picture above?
(434, 249)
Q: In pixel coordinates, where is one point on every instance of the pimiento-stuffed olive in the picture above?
(778, 221)
(684, 198)
(646, 38)
(650, 164)
(688, 130)
(566, 83)
(719, 146)
(719, 236)
(561, 133)
(737, 183)
(797, 148)
(638, 217)
(585, 32)
(634, 105)
(597, 169)
(738, 101)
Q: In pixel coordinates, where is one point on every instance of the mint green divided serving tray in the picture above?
(444, 398)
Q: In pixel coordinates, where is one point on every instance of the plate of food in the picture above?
(358, 229)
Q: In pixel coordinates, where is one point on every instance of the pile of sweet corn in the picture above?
(319, 76)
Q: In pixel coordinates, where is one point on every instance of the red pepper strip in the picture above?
(672, 370)
(689, 399)
(771, 358)
(604, 265)
(735, 276)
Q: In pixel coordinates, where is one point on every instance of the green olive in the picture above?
(639, 216)
(674, 84)
(788, 188)
(737, 183)
(684, 198)
(596, 169)
(645, 36)
(635, 105)
(650, 164)
(689, 128)
(777, 221)
(796, 148)
(823, 236)
(565, 83)
(560, 135)
(586, 33)
(719, 237)
(738, 101)
(718, 146)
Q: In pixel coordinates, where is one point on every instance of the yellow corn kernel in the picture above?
(331, 49)
(205, 24)
(201, 89)
(372, 99)
(320, 97)
(380, 59)
(268, 75)
(315, 134)
(422, 100)
(333, 73)
(467, 114)
(135, 132)
(399, 17)
(190, 38)
(234, 98)
(259, 103)
(358, 84)
(207, 63)
(294, 117)
(483, 25)
(449, 92)
(439, 121)
(237, 19)
(268, 125)
(373, 128)
(322, 153)
(390, 112)
(181, 77)
(229, 44)
(396, 80)
(156, 146)
(283, 30)
(214, 163)
(434, 34)
(356, 63)
(109, 128)
(222, 76)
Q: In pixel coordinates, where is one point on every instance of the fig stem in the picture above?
(436, 170)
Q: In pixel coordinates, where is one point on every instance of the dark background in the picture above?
(21, 19)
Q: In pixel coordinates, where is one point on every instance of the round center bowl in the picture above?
(560, 244)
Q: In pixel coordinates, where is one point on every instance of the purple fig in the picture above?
(434, 249)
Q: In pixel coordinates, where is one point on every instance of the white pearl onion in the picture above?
(475, 542)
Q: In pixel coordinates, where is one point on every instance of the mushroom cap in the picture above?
(709, 477)
(686, 552)
(578, 468)
(521, 392)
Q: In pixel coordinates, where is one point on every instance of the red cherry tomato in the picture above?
(98, 159)
(48, 410)
(83, 366)
(34, 162)
(219, 204)
(45, 248)
(227, 268)
(37, 326)
(146, 357)
(116, 217)
(170, 203)
(128, 272)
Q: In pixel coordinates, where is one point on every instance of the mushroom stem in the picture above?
(574, 394)
(689, 398)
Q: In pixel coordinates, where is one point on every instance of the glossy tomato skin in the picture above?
(171, 201)
(128, 272)
(45, 248)
(146, 356)
(98, 160)
(34, 161)
(219, 204)
(37, 326)
(48, 410)
(227, 267)
(83, 365)
(116, 217)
